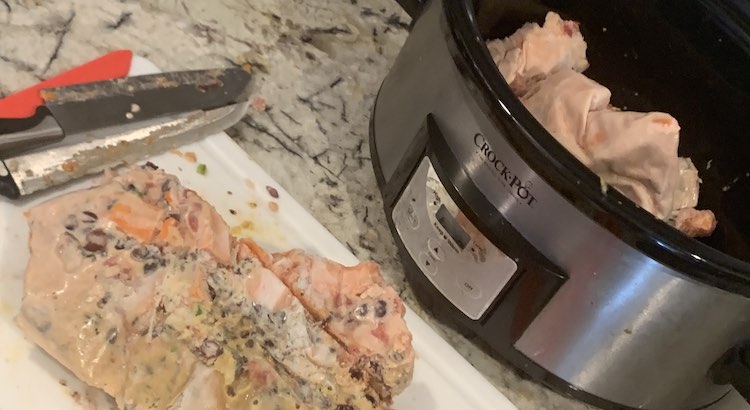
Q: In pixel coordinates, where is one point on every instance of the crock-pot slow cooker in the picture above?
(505, 235)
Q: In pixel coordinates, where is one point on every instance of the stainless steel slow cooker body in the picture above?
(580, 290)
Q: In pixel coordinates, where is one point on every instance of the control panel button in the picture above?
(469, 289)
(434, 248)
(428, 264)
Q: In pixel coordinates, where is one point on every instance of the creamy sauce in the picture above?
(138, 287)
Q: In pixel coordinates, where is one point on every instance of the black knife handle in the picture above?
(8, 187)
(19, 135)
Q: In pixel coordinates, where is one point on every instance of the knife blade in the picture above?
(111, 147)
(82, 108)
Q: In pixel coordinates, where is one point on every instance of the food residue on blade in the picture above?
(70, 166)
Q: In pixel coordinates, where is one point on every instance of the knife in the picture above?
(85, 128)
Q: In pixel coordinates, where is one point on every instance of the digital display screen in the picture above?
(455, 231)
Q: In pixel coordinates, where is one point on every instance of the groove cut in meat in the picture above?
(139, 289)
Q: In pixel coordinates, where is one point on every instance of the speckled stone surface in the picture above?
(318, 66)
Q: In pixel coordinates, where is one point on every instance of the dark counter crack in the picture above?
(60, 40)
(124, 18)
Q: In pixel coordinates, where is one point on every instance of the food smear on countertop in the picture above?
(139, 289)
(633, 152)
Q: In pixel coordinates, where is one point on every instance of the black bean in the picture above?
(96, 241)
(71, 222)
(370, 398)
(380, 309)
(272, 191)
(250, 343)
(240, 362)
(112, 335)
(150, 267)
(120, 245)
(210, 349)
(104, 300)
(144, 252)
(268, 343)
(355, 373)
(361, 311)
(151, 165)
(92, 217)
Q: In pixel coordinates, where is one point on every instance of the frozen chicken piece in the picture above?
(695, 223)
(636, 153)
(562, 103)
(534, 51)
(686, 194)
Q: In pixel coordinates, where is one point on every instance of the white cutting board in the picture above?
(31, 380)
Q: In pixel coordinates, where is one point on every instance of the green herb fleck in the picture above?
(201, 169)
(198, 310)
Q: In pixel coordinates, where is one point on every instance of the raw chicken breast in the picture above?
(534, 52)
(636, 153)
(562, 103)
(139, 289)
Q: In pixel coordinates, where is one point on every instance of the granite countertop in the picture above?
(318, 65)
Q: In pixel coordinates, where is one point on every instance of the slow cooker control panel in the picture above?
(452, 254)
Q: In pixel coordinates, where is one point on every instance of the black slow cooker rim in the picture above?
(546, 156)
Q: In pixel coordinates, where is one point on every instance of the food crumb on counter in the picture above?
(201, 169)
(229, 192)
(259, 104)
(252, 204)
(272, 191)
(273, 206)
(237, 230)
(187, 156)
(190, 156)
(63, 382)
(135, 107)
(233, 212)
(129, 115)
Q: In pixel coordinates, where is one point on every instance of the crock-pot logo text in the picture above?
(520, 189)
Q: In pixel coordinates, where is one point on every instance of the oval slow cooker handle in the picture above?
(734, 368)
(412, 7)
